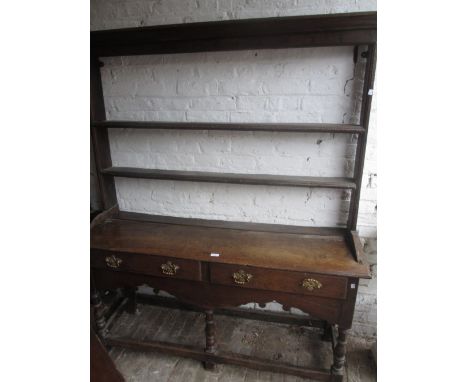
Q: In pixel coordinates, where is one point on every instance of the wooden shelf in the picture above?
(232, 225)
(346, 29)
(279, 127)
(255, 179)
(264, 33)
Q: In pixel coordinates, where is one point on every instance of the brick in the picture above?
(251, 116)
(251, 103)
(213, 103)
(248, 87)
(165, 115)
(286, 86)
(211, 116)
(197, 87)
(157, 87)
(169, 103)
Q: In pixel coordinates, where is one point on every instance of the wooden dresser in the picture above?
(218, 264)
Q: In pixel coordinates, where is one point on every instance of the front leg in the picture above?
(98, 312)
(210, 338)
(339, 356)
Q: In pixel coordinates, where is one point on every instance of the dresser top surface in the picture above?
(272, 250)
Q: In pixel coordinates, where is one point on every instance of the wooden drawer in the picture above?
(277, 280)
(147, 264)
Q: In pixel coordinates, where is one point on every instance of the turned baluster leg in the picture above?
(339, 356)
(210, 338)
(130, 294)
(98, 313)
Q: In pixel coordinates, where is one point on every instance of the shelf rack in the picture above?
(352, 29)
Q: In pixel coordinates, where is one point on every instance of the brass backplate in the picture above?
(169, 268)
(113, 261)
(311, 284)
(241, 277)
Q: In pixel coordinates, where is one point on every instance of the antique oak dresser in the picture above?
(214, 265)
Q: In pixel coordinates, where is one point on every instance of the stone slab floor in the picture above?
(299, 345)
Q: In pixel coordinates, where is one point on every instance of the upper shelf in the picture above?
(280, 127)
(264, 33)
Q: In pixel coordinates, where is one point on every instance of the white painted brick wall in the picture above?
(291, 85)
(295, 85)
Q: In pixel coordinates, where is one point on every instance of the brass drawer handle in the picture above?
(241, 277)
(113, 261)
(169, 268)
(311, 284)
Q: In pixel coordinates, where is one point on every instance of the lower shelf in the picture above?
(260, 345)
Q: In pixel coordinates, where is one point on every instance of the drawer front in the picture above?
(277, 280)
(147, 264)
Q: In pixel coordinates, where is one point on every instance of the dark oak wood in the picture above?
(352, 238)
(269, 127)
(280, 280)
(97, 312)
(259, 315)
(327, 333)
(243, 226)
(264, 33)
(267, 250)
(100, 137)
(313, 269)
(339, 354)
(151, 265)
(220, 357)
(105, 215)
(362, 138)
(115, 311)
(213, 177)
(213, 296)
(347, 308)
(102, 368)
(210, 338)
(130, 303)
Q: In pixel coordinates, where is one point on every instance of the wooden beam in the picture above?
(271, 127)
(213, 177)
(278, 317)
(219, 357)
(362, 138)
(104, 215)
(100, 138)
(102, 368)
(244, 226)
(354, 243)
(264, 33)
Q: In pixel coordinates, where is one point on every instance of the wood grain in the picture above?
(362, 138)
(264, 33)
(102, 367)
(283, 281)
(243, 226)
(270, 127)
(214, 177)
(295, 252)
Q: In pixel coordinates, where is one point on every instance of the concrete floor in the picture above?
(285, 343)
